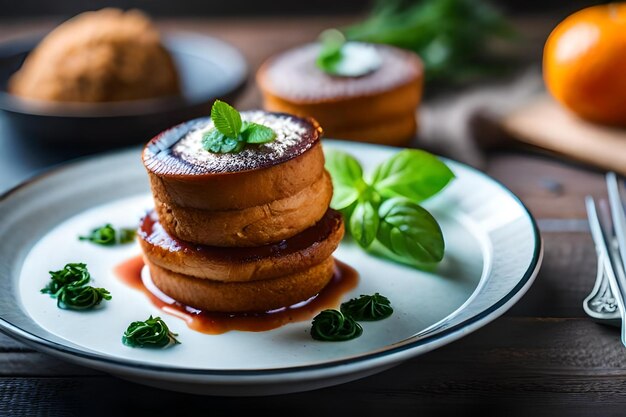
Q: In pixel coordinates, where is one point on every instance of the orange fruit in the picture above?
(584, 63)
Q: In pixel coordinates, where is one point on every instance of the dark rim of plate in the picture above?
(34, 340)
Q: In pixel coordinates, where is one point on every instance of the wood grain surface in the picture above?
(542, 358)
(545, 124)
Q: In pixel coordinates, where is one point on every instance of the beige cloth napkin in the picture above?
(462, 124)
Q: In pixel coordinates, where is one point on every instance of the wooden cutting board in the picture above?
(545, 124)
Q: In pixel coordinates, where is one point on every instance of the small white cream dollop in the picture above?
(358, 59)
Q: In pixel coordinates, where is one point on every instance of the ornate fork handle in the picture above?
(601, 303)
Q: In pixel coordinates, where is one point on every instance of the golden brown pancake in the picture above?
(261, 195)
(241, 264)
(352, 108)
(251, 226)
(249, 231)
(247, 296)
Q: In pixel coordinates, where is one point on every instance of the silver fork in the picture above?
(608, 229)
(600, 304)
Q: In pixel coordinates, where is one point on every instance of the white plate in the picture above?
(493, 252)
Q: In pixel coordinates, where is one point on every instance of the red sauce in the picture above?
(344, 280)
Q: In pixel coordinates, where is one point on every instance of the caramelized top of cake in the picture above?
(294, 75)
(179, 152)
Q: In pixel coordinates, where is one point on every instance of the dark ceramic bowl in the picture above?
(208, 69)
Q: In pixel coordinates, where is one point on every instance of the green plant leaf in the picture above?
(216, 142)
(410, 232)
(343, 197)
(256, 133)
(411, 173)
(226, 119)
(364, 223)
(452, 37)
(330, 54)
(347, 177)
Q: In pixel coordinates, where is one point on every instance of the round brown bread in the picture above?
(343, 112)
(299, 252)
(183, 174)
(100, 56)
(292, 83)
(251, 296)
(252, 226)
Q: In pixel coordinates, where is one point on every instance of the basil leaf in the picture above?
(347, 177)
(411, 173)
(226, 119)
(410, 232)
(216, 142)
(256, 133)
(364, 223)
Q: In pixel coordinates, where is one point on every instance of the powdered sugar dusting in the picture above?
(290, 141)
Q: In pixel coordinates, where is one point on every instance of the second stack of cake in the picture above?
(239, 232)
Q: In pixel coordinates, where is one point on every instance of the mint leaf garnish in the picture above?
(231, 134)
(227, 120)
(256, 133)
(346, 59)
(216, 142)
(330, 55)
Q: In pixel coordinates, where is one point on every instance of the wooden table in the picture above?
(544, 356)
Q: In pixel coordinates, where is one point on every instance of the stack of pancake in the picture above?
(240, 232)
(378, 107)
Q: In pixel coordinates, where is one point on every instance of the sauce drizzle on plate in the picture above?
(344, 279)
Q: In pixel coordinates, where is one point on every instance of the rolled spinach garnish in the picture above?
(149, 333)
(69, 287)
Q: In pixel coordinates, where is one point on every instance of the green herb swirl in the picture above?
(334, 326)
(81, 298)
(149, 333)
(69, 287)
(75, 274)
(368, 308)
(107, 235)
